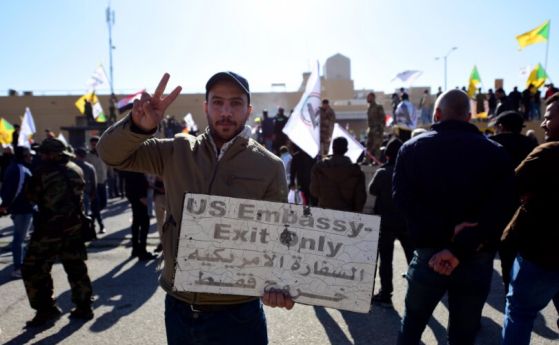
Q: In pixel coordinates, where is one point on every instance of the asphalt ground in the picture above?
(129, 304)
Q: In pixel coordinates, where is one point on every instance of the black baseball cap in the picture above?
(511, 120)
(231, 76)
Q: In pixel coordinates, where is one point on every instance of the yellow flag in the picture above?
(539, 34)
(90, 96)
(537, 77)
(6, 130)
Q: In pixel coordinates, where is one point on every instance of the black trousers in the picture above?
(386, 253)
(140, 226)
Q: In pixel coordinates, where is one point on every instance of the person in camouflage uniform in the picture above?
(376, 121)
(327, 120)
(57, 188)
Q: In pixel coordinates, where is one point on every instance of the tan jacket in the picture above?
(189, 164)
(100, 167)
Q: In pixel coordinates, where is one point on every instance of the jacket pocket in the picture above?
(246, 187)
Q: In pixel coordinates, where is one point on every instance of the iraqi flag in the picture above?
(127, 102)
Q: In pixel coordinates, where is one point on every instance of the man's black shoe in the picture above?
(146, 256)
(44, 316)
(82, 313)
(382, 300)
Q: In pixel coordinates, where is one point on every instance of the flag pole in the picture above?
(547, 45)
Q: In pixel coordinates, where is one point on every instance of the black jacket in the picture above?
(136, 185)
(451, 175)
(381, 187)
(517, 145)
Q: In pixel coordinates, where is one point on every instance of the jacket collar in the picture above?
(455, 125)
(245, 134)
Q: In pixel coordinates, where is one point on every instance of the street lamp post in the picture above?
(445, 64)
(110, 17)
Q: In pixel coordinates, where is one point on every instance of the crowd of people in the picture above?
(431, 187)
(48, 190)
(527, 102)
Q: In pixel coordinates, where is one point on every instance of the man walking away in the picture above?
(455, 221)
(101, 173)
(508, 127)
(337, 183)
(136, 189)
(392, 224)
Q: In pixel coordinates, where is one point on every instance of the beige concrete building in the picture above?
(350, 105)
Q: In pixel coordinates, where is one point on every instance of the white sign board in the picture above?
(245, 247)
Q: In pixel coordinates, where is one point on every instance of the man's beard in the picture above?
(216, 135)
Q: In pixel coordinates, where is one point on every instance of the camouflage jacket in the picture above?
(57, 188)
(375, 116)
(327, 120)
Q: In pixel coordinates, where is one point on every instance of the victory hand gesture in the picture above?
(149, 110)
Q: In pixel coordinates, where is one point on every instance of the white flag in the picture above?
(99, 77)
(408, 76)
(27, 129)
(190, 124)
(303, 126)
(97, 111)
(354, 147)
(61, 138)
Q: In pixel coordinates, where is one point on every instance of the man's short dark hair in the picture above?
(405, 97)
(339, 146)
(510, 121)
(325, 101)
(81, 152)
(392, 149)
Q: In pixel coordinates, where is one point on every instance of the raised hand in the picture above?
(148, 112)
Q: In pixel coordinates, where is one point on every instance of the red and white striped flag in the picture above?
(127, 102)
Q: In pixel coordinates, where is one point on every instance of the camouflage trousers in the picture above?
(374, 141)
(36, 271)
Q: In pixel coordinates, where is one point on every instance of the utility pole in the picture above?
(110, 17)
(445, 63)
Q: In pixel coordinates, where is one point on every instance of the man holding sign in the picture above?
(221, 161)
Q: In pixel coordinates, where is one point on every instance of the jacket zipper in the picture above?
(214, 173)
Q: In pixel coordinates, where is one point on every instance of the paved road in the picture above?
(129, 304)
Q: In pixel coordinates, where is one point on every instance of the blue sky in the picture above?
(52, 47)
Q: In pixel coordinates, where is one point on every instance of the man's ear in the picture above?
(437, 115)
(469, 117)
(249, 111)
(206, 107)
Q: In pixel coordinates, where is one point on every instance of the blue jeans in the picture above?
(99, 203)
(22, 224)
(86, 203)
(467, 287)
(244, 324)
(531, 289)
